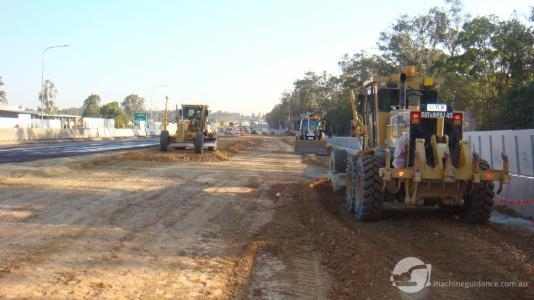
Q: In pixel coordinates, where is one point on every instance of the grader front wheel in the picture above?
(368, 197)
(164, 140)
(350, 186)
(199, 143)
(478, 203)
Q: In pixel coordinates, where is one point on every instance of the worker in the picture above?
(399, 155)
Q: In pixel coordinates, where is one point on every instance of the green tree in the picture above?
(47, 97)
(360, 67)
(3, 97)
(472, 73)
(518, 106)
(133, 103)
(513, 43)
(496, 55)
(487, 64)
(276, 117)
(91, 106)
(113, 111)
(422, 40)
(311, 93)
(338, 118)
(453, 25)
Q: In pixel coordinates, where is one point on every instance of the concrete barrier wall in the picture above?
(347, 143)
(518, 195)
(517, 144)
(25, 134)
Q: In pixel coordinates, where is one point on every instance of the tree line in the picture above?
(486, 66)
(122, 112)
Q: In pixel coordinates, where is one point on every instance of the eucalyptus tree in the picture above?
(3, 95)
(133, 103)
(113, 110)
(47, 97)
(91, 106)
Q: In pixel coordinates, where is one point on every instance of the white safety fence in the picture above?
(98, 123)
(24, 134)
(517, 144)
(25, 121)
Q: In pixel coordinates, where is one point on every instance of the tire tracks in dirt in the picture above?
(361, 255)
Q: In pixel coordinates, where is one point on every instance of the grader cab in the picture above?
(413, 153)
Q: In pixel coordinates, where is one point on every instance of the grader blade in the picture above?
(311, 147)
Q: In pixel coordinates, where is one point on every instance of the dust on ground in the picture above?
(255, 225)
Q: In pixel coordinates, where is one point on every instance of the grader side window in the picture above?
(370, 111)
(388, 98)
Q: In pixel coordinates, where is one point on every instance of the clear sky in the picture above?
(236, 56)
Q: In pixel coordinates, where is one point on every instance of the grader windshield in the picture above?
(309, 125)
(191, 112)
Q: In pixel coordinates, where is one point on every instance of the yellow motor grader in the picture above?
(311, 135)
(413, 152)
(192, 129)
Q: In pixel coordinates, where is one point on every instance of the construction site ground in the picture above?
(251, 221)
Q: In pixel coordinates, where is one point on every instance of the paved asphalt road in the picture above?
(35, 151)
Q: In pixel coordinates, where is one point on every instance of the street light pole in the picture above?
(151, 93)
(42, 69)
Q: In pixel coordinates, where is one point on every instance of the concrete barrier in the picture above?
(347, 143)
(517, 144)
(518, 195)
(123, 132)
(105, 132)
(25, 134)
(139, 132)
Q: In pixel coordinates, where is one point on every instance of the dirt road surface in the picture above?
(253, 221)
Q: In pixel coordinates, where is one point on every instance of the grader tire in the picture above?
(199, 143)
(164, 140)
(350, 186)
(380, 162)
(478, 203)
(368, 197)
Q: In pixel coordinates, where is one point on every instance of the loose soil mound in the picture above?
(360, 256)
